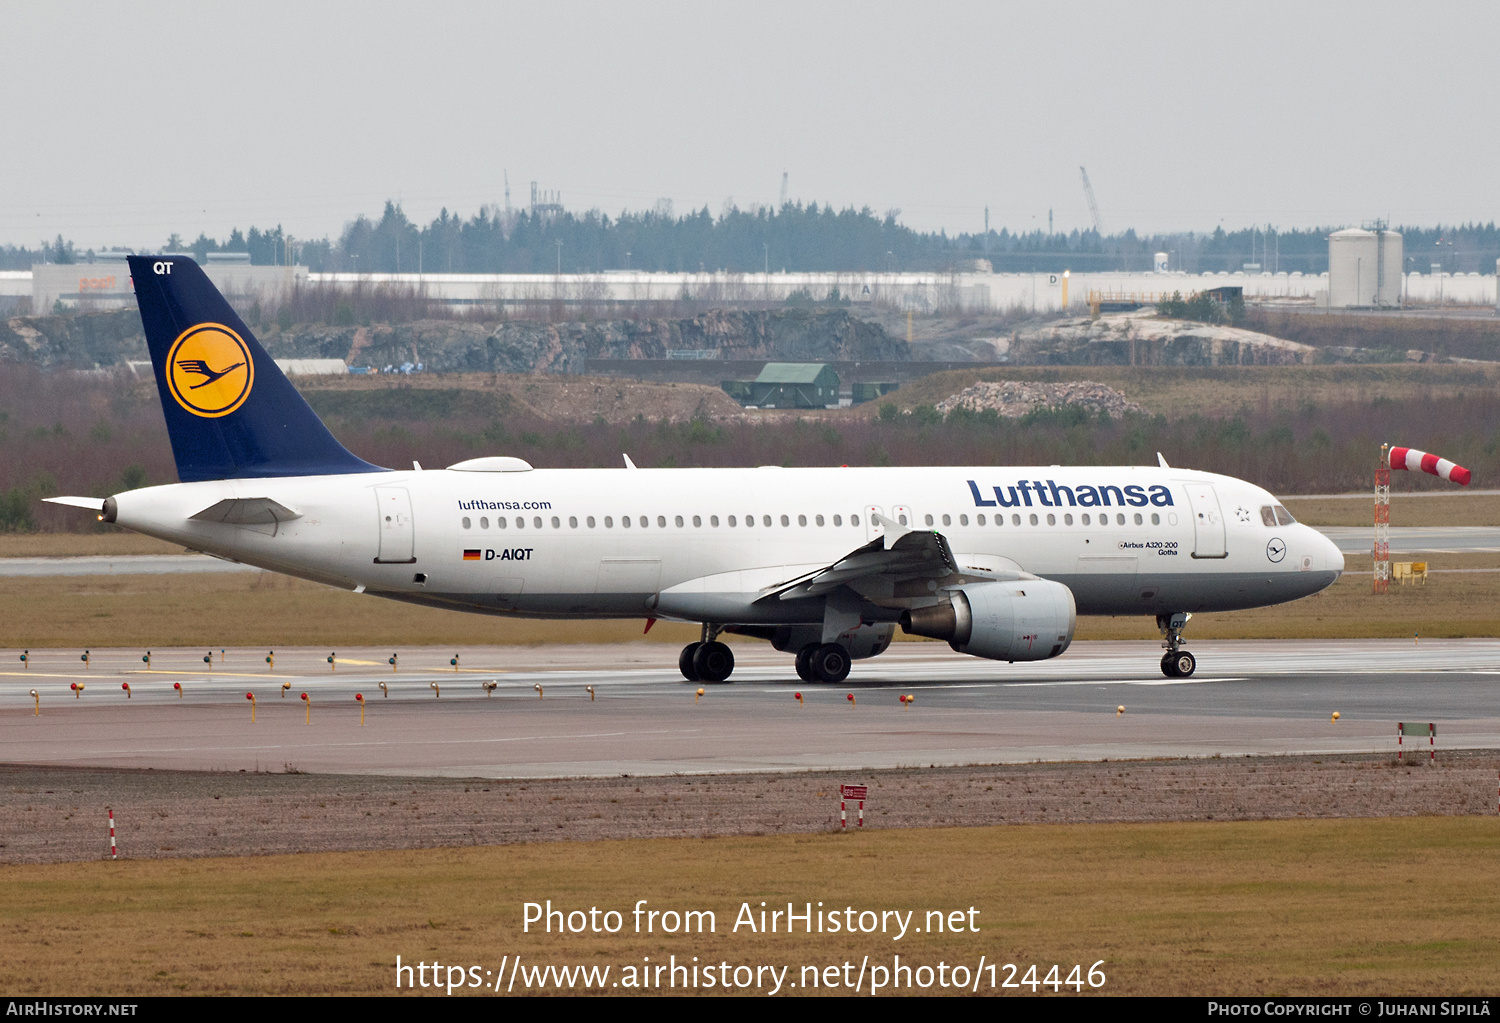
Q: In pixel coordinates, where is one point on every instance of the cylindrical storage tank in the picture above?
(1353, 263)
(1159, 263)
(1392, 258)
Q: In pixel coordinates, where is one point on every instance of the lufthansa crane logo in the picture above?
(209, 370)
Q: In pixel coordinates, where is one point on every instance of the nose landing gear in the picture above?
(1176, 662)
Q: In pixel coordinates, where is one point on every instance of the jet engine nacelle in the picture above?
(1025, 620)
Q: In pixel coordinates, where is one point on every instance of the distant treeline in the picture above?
(73, 434)
(794, 237)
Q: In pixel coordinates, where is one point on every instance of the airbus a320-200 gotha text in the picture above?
(825, 563)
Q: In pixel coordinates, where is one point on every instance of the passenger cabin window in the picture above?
(929, 520)
(609, 523)
(678, 521)
(536, 522)
(572, 522)
(765, 520)
(854, 520)
(979, 519)
(590, 521)
(963, 520)
(731, 520)
(818, 519)
(467, 524)
(713, 520)
(801, 520)
(838, 520)
(484, 522)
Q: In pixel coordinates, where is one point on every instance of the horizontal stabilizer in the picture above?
(93, 504)
(247, 511)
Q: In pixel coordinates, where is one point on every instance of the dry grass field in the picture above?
(1250, 908)
(266, 610)
(1458, 509)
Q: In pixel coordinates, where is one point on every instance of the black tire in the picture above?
(1169, 665)
(714, 662)
(804, 662)
(830, 663)
(685, 662)
(1184, 664)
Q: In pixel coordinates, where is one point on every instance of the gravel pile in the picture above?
(1013, 398)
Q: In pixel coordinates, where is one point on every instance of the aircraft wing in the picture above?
(901, 555)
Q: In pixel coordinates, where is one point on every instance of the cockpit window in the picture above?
(1284, 517)
(1267, 515)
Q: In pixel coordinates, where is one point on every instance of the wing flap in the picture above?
(910, 555)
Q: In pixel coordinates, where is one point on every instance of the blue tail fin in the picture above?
(231, 412)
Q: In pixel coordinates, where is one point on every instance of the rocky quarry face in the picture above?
(1013, 399)
(456, 346)
(1137, 339)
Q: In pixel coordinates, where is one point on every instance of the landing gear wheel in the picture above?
(804, 662)
(685, 661)
(1179, 664)
(713, 662)
(830, 663)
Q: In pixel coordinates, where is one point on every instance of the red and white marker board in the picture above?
(858, 793)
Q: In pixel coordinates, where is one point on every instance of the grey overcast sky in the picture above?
(129, 121)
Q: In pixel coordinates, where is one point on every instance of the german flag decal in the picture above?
(471, 555)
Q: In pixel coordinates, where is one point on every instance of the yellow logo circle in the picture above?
(209, 370)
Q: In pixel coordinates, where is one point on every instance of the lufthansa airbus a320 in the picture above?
(824, 563)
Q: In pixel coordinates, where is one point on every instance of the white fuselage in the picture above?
(701, 544)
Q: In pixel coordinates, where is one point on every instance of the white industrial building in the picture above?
(105, 283)
(1366, 273)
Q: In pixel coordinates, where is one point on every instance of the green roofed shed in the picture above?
(795, 385)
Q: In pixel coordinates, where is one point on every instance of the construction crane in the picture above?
(1088, 191)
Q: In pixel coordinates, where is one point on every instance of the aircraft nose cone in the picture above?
(1332, 556)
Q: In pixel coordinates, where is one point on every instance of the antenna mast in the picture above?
(1088, 190)
(783, 188)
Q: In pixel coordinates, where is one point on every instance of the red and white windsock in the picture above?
(1411, 458)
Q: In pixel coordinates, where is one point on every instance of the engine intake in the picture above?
(1029, 620)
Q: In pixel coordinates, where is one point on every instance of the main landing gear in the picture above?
(707, 660)
(1176, 662)
(823, 662)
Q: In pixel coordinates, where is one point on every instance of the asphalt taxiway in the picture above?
(435, 718)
